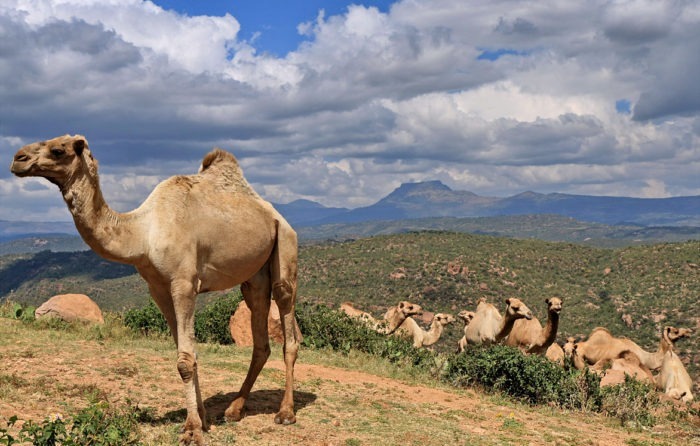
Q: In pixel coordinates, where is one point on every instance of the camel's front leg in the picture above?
(256, 293)
(196, 422)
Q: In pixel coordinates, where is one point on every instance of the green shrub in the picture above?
(632, 402)
(529, 378)
(211, 323)
(98, 424)
(147, 319)
(323, 327)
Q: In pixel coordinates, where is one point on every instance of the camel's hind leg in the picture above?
(284, 291)
(256, 292)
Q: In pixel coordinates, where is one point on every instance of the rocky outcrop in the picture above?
(241, 333)
(71, 307)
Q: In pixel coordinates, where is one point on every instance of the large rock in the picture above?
(239, 324)
(71, 307)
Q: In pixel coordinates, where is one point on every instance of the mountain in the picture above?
(435, 199)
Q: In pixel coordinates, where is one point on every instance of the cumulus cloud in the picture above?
(493, 97)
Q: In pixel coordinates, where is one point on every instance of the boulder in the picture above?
(71, 307)
(239, 324)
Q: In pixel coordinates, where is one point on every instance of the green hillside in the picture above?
(632, 291)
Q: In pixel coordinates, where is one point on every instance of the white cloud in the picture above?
(368, 101)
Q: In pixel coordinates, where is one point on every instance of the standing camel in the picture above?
(196, 233)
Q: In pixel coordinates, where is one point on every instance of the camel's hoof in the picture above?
(285, 417)
(234, 413)
(192, 437)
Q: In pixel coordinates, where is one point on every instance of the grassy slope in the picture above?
(340, 400)
(444, 272)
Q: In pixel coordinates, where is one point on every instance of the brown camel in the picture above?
(601, 345)
(529, 336)
(409, 328)
(488, 326)
(466, 317)
(555, 353)
(196, 233)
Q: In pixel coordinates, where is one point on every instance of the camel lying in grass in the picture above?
(673, 379)
(409, 328)
(530, 337)
(601, 345)
(488, 326)
(466, 317)
(392, 319)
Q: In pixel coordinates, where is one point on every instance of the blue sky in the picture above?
(497, 98)
(272, 22)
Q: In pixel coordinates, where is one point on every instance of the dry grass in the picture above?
(352, 400)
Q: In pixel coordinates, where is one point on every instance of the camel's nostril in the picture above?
(21, 157)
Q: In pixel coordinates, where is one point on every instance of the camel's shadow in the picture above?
(259, 402)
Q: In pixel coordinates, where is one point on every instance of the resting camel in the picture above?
(603, 346)
(488, 326)
(555, 353)
(195, 233)
(627, 363)
(673, 378)
(466, 317)
(529, 336)
(394, 316)
(354, 313)
(421, 338)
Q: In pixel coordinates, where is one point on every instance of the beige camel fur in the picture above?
(601, 345)
(627, 363)
(555, 353)
(394, 316)
(530, 337)
(409, 328)
(355, 313)
(569, 346)
(673, 378)
(488, 326)
(466, 317)
(195, 233)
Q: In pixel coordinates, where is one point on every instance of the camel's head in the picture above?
(569, 346)
(444, 318)
(553, 304)
(466, 316)
(56, 159)
(516, 309)
(410, 309)
(672, 334)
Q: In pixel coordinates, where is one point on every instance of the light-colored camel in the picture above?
(196, 233)
(569, 346)
(601, 345)
(627, 363)
(394, 316)
(555, 353)
(466, 317)
(355, 313)
(488, 326)
(673, 378)
(421, 338)
(530, 337)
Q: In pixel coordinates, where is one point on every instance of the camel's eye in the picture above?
(58, 151)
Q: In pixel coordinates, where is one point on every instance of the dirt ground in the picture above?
(46, 372)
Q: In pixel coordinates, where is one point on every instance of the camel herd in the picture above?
(609, 356)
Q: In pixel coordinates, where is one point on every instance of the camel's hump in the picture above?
(218, 156)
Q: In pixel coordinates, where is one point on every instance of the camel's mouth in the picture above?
(528, 317)
(21, 169)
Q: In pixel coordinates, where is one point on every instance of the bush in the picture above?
(147, 319)
(211, 323)
(632, 402)
(99, 424)
(533, 379)
(323, 327)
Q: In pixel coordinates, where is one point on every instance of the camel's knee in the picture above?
(186, 366)
(283, 291)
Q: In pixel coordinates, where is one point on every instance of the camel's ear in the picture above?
(546, 301)
(508, 301)
(78, 146)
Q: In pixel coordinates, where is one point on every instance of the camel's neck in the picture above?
(393, 318)
(506, 327)
(433, 335)
(548, 334)
(109, 233)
